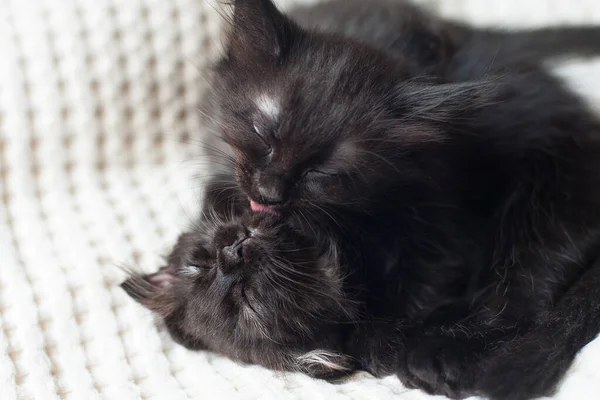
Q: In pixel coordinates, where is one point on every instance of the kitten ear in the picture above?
(259, 31)
(153, 291)
(447, 99)
(325, 364)
(428, 112)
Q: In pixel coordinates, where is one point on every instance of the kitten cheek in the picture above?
(313, 186)
(320, 189)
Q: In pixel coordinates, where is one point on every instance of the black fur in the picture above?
(457, 181)
(253, 288)
(536, 363)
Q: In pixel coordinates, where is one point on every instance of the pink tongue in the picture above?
(257, 207)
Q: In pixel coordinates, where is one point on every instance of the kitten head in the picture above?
(255, 291)
(313, 117)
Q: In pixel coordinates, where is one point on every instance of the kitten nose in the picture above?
(232, 252)
(233, 255)
(270, 194)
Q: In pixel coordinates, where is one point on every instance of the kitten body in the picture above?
(458, 180)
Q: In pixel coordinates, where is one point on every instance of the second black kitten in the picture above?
(252, 287)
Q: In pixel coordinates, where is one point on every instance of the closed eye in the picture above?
(261, 136)
(258, 131)
(194, 269)
(319, 172)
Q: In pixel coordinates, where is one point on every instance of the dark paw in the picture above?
(440, 366)
(528, 368)
(377, 347)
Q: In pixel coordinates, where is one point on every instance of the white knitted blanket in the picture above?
(98, 131)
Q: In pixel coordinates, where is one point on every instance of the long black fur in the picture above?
(457, 181)
(252, 287)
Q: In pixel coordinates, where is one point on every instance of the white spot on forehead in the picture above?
(268, 105)
(345, 151)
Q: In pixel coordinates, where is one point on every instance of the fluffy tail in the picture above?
(483, 51)
(545, 43)
(533, 365)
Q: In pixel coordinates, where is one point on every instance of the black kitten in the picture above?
(252, 288)
(350, 98)
(255, 289)
(461, 180)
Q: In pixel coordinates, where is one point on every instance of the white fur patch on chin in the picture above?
(324, 359)
(269, 106)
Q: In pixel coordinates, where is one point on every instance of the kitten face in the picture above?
(307, 114)
(252, 290)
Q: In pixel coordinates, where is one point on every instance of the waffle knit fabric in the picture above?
(98, 169)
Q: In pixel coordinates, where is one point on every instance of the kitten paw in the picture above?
(439, 366)
(528, 368)
(377, 347)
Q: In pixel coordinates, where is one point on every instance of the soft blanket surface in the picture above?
(98, 169)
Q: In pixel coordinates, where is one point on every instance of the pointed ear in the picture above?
(153, 291)
(259, 31)
(447, 99)
(429, 112)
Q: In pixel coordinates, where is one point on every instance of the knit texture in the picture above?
(99, 168)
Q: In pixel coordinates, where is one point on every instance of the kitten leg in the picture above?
(376, 346)
(448, 360)
(532, 366)
(520, 288)
(438, 360)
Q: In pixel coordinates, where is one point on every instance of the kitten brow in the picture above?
(268, 105)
